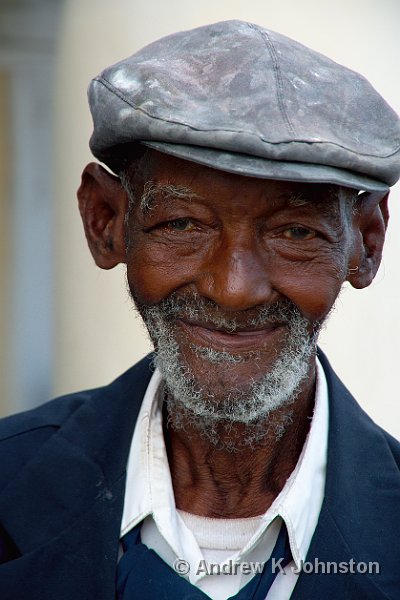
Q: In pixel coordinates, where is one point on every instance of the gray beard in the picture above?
(194, 404)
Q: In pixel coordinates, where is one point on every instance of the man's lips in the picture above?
(245, 339)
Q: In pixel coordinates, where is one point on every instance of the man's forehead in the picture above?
(247, 100)
(166, 178)
(165, 168)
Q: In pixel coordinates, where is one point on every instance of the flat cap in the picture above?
(243, 99)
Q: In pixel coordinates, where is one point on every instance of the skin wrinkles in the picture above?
(238, 492)
(239, 244)
(237, 257)
(209, 246)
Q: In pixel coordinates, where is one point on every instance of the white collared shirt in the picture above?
(149, 496)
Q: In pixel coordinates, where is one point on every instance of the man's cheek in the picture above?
(152, 281)
(313, 291)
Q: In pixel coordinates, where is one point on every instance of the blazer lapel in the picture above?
(360, 517)
(74, 487)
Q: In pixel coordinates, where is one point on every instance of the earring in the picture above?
(352, 271)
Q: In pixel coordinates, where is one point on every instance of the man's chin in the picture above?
(234, 391)
(228, 417)
(221, 374)
(213, 387)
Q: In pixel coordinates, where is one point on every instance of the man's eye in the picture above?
(181, 225)
(299, 233)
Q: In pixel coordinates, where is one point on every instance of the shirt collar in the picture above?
(139, 500)
(300, 501)
(149, 486)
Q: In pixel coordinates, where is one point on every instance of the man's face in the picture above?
(234, 276)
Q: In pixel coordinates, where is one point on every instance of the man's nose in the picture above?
(236, 276)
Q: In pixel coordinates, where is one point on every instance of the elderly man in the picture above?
(252, 177)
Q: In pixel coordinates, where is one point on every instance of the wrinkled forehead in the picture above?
(159, 179)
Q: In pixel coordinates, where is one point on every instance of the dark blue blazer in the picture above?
(62, 481)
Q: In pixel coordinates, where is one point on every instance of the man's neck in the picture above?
(211, 481)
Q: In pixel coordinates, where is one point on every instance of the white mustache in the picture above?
(207, 313)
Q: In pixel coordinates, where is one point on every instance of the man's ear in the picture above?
(370, 222)
(103, 204)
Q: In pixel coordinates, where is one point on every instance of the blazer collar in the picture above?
(360, 516)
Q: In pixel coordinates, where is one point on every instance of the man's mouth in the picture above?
(242, 339)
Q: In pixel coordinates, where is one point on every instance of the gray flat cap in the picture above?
(246, 100)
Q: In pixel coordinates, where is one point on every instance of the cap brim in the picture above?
(253, 166)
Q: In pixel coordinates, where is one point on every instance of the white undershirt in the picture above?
(149, 497)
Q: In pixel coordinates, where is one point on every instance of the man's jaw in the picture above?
(213, 397)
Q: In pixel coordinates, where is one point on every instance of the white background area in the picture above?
(97, 334)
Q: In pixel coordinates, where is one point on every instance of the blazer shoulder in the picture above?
(22, 435)
(52, 414)
(393, 446)
(56, 412)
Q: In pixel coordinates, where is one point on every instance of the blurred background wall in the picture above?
(28, 54)
(66, 325)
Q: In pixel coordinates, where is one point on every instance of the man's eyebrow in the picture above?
(327, 201)
(153, 192)
(316, 195)
(298, 199)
